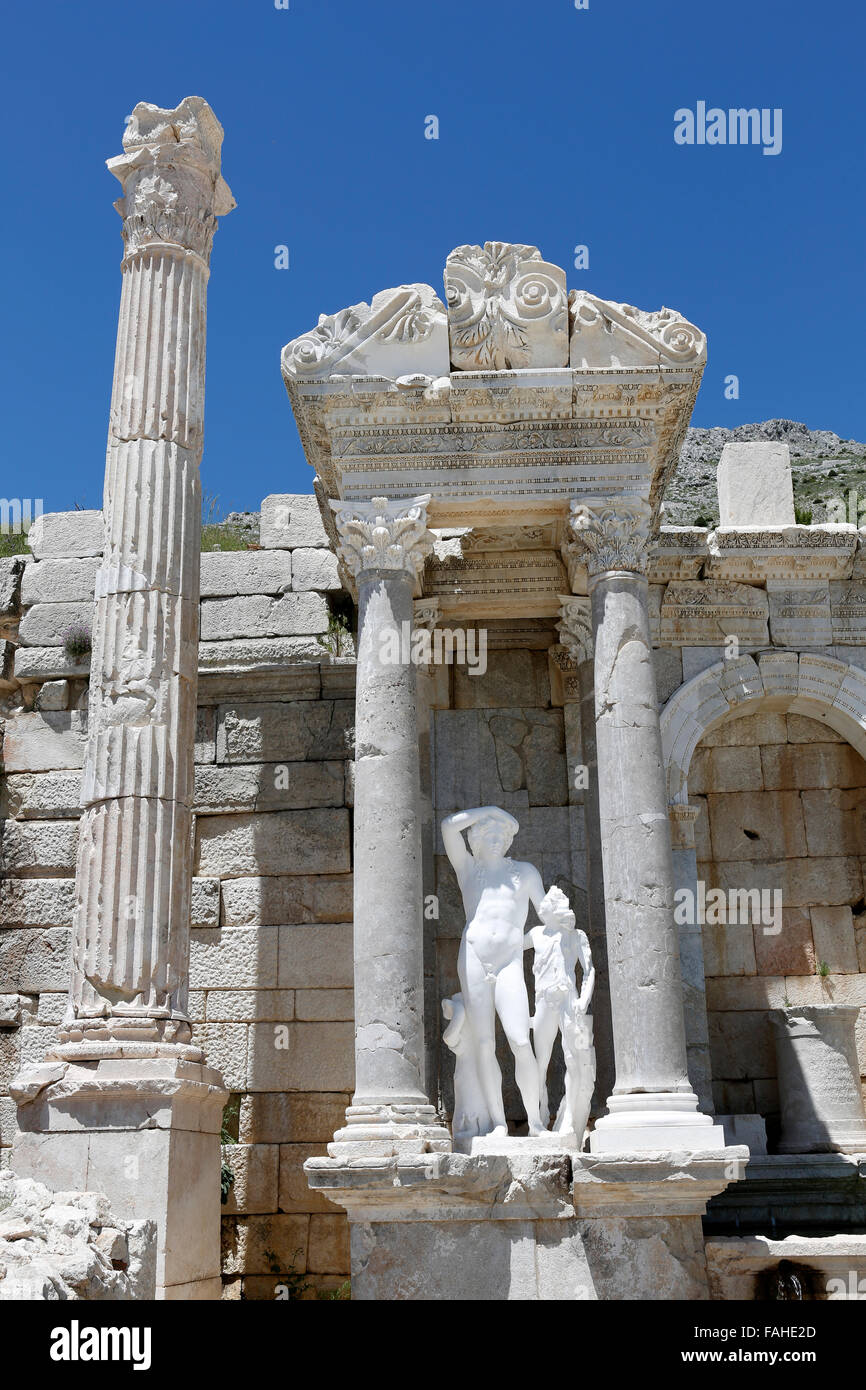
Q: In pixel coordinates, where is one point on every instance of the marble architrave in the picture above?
(494, 583)
(706, 612)
(799, 613)
(796, 554)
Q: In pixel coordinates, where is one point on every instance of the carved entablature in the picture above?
(785, 552)
(488, 583)
(507, 308)
(383, 535)
(173, 191)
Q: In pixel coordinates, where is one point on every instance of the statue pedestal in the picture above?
(530, 1225)
(145, 1130)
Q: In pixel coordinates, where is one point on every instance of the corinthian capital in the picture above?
(173, 191)
(612, 533)
(575, 627)
(383, 535)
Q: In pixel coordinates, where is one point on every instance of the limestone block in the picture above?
(205, 903)
(196, 1005)
(801, 729)
(747, 731)
(792, 951)
(267, 652)
(259, 615)
(225, 1047)
(295, 1192)
(35, 1042)
(733, 1098)
(59, 535)
(315, 569)
(298, 1117)
(250, 1005)
(256, 1178)
(512, 679)
(47, 847)
(8, 1120)
(750, 1130)
(10, 1056)
(668, 665)
(813, 765)
(287, 901)
(8, 680)
(54, 695)
(729, 948)
(835, 820)
(244, 958)
(251, 1244)
(59, 581)
(37, 902)
(205, 736)
(741, 1045)
(52, 1006)
(228, 572)
(328, 1250)
(754, 485)
(300, 1056)
(42, 795)
(832, 989)
(12, 1008)
(757, 825)
(269, 786)
(324, 1005)
(34, 664)
(285, 731)
(43, 742)
(11, 578)
(46, 624)
(291, 521)
(306, 842)
(316, 957)
(697, 659)
(716, 770)
(800, 881)
(32, 959)
(835, 944)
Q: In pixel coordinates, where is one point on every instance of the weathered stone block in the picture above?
(295, 1192)
(291, 521)
(804, 730)
(46, 624)
(52, 1007)
(44, 742)
(747, 731)
(205, 735)
(37, 902)
(269, 786)
(287, 901)
(517, 678)
(791, 952)
(246, 958)
(11, 578)
(256, 1178)
(272, 653)
(45, 847)
(300, 1056)
(668, 665)
(835, 944)
(228, 572)
(252, 1244)
(801, 882)
(835, 820)
(316, 957)
(225, 1047)
(328, 1250)
(706, 612)
(41, 795)
(287, 731)
(757, 825)
(250, 1005)
(299, 1117)
(729, 948)
(813, 765)
(205, 902)
(59, 581)
(54, 695)
(306, 842)
(315, 569)
(259, 615)
(58, 535)
(34, 664)
(32, 959)
(325, 1005)
(741, 1045)
(10, 1056)
(726, 770)
(754, 485)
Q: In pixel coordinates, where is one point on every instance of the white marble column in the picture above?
(383, 546)
(131, 937)
(652, 1105)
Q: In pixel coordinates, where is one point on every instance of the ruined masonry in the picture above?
(228, 921)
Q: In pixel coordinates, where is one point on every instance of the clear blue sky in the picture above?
(556, 128)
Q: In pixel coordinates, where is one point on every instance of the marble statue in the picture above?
(496, 892)
(471, 1116)
(559, 946)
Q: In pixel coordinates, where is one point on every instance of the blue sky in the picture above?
(556, 128)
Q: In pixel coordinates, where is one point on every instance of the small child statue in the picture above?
(559, 945)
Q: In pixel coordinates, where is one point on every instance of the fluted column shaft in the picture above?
(134, 867)
(383, 546)
(652, 1105)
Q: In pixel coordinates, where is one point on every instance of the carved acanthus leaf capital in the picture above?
(382, 535)
(612, 533)
(575, 627)
(173, 191)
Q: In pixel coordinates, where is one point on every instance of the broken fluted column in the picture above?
(652, 1106)
(383, 545)
(133, 878)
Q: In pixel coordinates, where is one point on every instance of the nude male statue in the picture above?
(559, 946)
(496, 892)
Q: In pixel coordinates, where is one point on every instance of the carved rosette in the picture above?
(381, 536)
(575, 627)
(507, 308)
(612, 533)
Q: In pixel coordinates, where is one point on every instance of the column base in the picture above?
(655, 1123)
(387, 1130)
(144, 1130)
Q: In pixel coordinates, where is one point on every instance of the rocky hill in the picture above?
(823, 465)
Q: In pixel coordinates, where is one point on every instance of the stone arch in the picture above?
(829, 691)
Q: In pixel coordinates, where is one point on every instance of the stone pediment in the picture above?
(403, 331)
(606, 334)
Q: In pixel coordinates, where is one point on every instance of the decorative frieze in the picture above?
(677, 552)
(698, 613)
(507, 308)
(848, 613)
(756, 554)
(522, 583)
(799, 614)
